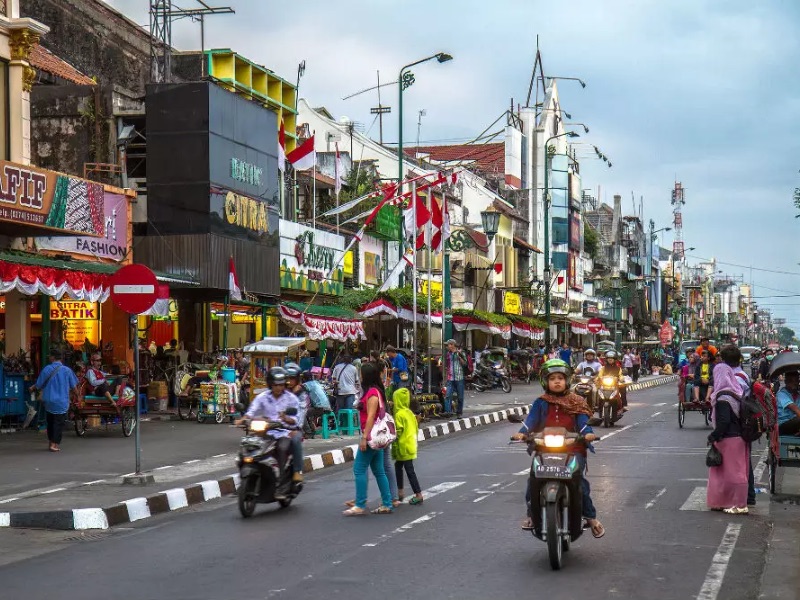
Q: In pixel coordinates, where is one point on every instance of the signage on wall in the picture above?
(246, 212)
(512, 303)
(372, 268)
(311, 260)
(79, 310)
(116, 245)
(246, 172)
(311, 255)
(436, 289)
(32, 196)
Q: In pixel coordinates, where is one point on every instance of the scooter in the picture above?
(556, 502)
(259, 470)
(491, 378)
(584, 386)
(609, 399)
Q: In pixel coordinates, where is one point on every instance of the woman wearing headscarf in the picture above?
(727, 483)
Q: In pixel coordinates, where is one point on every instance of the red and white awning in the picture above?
(579, 327)
(385, 307)
(30, 280)
(524, 330)
(324, 328)
(469, 323)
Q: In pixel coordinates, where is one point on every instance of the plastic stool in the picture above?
(330, 424)
(142, 404)
(349, 421)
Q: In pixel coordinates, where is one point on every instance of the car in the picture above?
(747, 353)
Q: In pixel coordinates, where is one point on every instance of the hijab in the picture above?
(725, 382)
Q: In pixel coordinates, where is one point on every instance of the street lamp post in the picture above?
(547, 272)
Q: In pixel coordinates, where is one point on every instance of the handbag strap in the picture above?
(49, 377)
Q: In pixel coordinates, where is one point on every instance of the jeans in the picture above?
(408, 465)
(55, 427)
(297, 451)
(458, 386)
(372, 459)
(387, 468)
(589, 511)
(688, 395)
(345, 402)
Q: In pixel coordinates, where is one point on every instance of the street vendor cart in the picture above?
(268, 353)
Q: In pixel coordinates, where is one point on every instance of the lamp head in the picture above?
(585, 129)
(569, 116)
(490, 219)
(443, 57)
(583, 84)
(572, 134)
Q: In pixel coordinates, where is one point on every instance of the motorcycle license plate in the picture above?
(553, 472)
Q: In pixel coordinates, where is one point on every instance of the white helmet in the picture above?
(590, 351)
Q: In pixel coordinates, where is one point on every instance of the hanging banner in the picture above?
(324, 328)
(512, 303)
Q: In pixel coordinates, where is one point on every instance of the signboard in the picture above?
(114, 246)
(78, 310)
(311, 260)
(665, 334)
(590, 308)
(387, 224)
(575, 232)
(436, 289)
(31, 196)
(372, 268)
(348, 264)
(134, 289)
(246, 212)
(76, 332)
(512, 303)
(594, 325)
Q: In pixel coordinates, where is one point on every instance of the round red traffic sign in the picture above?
(134, 289)
(594, 325)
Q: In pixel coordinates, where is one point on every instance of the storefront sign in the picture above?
(31, 196)
(512, 303)
(311, 260)
(372, 268)
(245, 212)
(115, 246)
(243, 319)
(77, 310)
(246, 172)
(76, 332)
(436, 289)
(348, 264)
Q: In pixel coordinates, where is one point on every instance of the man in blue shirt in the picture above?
(56, 381)
(788, 410)
(565, 353)
(399, 366)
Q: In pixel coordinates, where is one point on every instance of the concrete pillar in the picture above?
(17, 326)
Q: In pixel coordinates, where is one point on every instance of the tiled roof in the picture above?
(488, 158)
(44, 60)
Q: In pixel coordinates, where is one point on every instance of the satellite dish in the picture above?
(344, 120)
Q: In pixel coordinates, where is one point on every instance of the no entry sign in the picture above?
(594, 325)
(134, 289)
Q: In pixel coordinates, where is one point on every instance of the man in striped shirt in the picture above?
(454, 363)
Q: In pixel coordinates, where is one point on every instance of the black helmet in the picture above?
(293, 370)
(611, 354)
(276, 375)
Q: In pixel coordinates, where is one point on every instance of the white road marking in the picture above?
(162, 468)
(675, 405)
(660, 404)
(719, 564)
(402, 529)
(696, 500)
(652, 502)
(8, 500)
(613, 433)
(95, 481)
(53, 491)
(219, 455)
(190, 462)
(758, 472)
(523, 472)
(89, 518)
(480, 498)
(655, 414)
(441, 488)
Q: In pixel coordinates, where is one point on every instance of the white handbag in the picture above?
(384, 431)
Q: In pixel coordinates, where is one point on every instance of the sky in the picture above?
(699, 91)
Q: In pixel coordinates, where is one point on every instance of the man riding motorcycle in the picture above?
(612, 368)
(589, 362)
(558, 407)
(295, 385)
(272, 405)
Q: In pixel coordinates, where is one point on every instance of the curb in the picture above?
(660, 380)
(136, 509)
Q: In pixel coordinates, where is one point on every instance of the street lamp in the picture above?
(405, 80)
(583, 84)
(585, 127)
(570, 134)
(490, 219)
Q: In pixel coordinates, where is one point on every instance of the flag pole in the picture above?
(414, 285)
(314, 196)
(428, 242)
(225, 324)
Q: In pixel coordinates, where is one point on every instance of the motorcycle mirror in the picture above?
(240, 407)
(291, 411)
(515, 418)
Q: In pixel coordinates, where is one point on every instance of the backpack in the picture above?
(751, 417)
(319, 399)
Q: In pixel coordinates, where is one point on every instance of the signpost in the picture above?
(134, 290)
(594, 325)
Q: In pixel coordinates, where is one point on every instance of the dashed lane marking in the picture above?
(719, 564)
(652, 502)
(402, 529)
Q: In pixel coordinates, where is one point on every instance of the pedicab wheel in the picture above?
(285, 502)
(247, 504)
(200, 417)
(553, 526)
(772, 470)
(681, 415)
(80, 426)
(219, 417)
(128, 421)
(187, 411)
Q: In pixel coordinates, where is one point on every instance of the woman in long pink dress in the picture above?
(727, 483)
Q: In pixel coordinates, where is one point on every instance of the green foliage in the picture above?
(491, 318)
(357, 182)
(591, 242)
(786, 336)
(404, 297)
(532, 321)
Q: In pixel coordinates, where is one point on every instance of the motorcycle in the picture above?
(609, 399)
(556, 502)
(584, 386)
(491, 378)
(258, 466)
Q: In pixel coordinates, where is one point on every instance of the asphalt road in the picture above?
(463, 543)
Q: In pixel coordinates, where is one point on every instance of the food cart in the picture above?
(268, 353)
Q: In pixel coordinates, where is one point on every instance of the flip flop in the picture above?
(414, 501)
(597, 530)
(527, 525)
(382, 510)
(350, 503)
(354, 512)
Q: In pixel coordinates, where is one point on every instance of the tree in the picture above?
(786, 336)
(591, 243)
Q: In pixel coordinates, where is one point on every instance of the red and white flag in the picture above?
(423, 216)
(338, 175)
(234, 291)
(282, 148)
(440, 219)
(304, 156)
(407, 260)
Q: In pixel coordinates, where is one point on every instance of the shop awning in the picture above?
(524, 330)
(467, 323)
(381, 306)
(324, 322)
(520, 243)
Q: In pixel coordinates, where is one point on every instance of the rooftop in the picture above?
(488, 158)
(44, 60)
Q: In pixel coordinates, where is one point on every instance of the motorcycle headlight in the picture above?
(554, 441)
(608, 381)
(258, 426)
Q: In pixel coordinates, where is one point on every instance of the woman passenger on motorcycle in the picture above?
(295, 385)
(558, 407)
(612, 368)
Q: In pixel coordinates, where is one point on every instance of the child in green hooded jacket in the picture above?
(404, 449)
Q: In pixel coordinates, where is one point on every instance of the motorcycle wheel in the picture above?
(607, 415)
(506, 385)
(247, 504)
(707, 416)
(566, 541)
(478, 387)
(555, 550)
(681, 415)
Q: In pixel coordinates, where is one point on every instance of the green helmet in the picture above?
(555, 365)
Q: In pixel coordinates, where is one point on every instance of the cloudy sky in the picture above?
(704, 91)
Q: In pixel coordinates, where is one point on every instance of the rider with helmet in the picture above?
(559, 407)
(272, 404)
(295, 386)
(612, 368)
(589, 362)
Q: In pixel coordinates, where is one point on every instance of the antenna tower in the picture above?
(678, 200)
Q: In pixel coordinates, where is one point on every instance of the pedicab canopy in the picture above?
(784, 363)
(267, 353)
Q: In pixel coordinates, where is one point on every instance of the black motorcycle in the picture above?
(556, 506)
(491, 378)
(584, 385)
(259, 470)
(609, 399)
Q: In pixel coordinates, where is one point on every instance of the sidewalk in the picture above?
(781, 578)
(101, 500)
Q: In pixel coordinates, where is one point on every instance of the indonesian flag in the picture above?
(234, 290)
(338, 176)
(440, 219)
(282, 147)
(406, 260)
(304, 156)
(423, 216)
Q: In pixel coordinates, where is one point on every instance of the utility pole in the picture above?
(380, 110)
